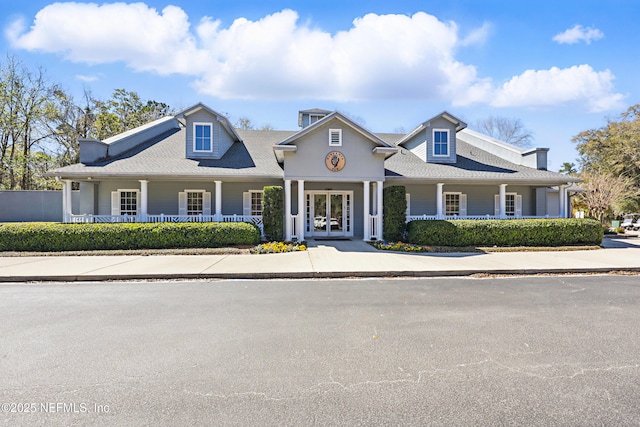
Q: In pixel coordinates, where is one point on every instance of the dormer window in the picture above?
(335, 137)
(440, 142)
(314, 118)
(202, 137)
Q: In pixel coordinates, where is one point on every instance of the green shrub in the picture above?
(517, 232)
(54, 237)
(273, 212)
(394, 212)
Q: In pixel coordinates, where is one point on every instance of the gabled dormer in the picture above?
(309, 117)
(434, 140)
(209, 134)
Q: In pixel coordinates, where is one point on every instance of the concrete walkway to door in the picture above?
(324, 258)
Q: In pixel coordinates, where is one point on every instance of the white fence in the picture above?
(449, 217)
(253, 219)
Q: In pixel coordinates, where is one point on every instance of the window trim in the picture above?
(251, 193)
(506, 204)
(433, 142)
(339, 133)
(210, 126)
(444, 201)
(201, 192)
(315, 118)
(136, 191)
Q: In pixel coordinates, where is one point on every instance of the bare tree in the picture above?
(603, 191)
(509, 130)
(24, 102)
(244, 123)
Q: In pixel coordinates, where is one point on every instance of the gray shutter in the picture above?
(246, 203)
(496, 205)
(182, 203)
(115, 203)
(206, 203)
(463, 205)
(518, 205)
(138, 196)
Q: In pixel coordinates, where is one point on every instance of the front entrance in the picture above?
(329, 213)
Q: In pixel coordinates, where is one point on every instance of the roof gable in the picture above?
(345, 120)
(226, 124)
(459, 124)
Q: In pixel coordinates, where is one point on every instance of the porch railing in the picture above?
(449, 217)
(253, 219)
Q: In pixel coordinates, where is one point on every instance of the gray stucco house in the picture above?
(194, 166)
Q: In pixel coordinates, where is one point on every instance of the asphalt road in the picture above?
(535, 351)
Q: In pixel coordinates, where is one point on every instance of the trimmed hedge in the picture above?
(54, 237)
(394, 212)
(273, 212)
(516, 232)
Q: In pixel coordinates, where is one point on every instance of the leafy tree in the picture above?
(125, 111)
(614, 149)
(568, 168)
(509, 130)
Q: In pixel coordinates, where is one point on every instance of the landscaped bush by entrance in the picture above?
(273, 212)
(394, 212)
(517, 232)
(53, 237)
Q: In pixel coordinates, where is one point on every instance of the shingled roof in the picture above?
(163, 157)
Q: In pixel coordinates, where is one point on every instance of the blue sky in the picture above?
(559, 66)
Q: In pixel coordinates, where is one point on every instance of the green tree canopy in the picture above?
(614, 149)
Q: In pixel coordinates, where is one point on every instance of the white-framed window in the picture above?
(335, 137)
(451, 204)
(441, 142)
(202, 140)
(513, 204)
(314, 118)
(252, 203)
(125, 202)
(510, 204)
(194, 202)
(455, 204)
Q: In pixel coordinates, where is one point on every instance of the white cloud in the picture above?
(559, 86)
(578, 33)
(87, 79)
(277, 57)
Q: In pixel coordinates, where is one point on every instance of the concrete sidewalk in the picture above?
(323, 259)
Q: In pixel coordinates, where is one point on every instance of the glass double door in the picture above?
(330, 213)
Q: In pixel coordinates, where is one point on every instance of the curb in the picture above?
(315, 275)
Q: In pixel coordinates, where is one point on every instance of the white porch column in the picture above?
(366, 210)
(439, 212)
(503, 200)
(144, 200)
(66, 187)
(302, 212)
(379, 209)
(218, 208)
(562, 195)
(287, 210)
